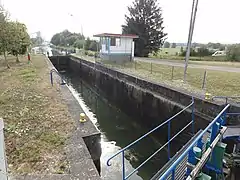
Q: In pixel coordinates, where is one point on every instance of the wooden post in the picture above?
(151, 68)
(172, 72)
(204, 80)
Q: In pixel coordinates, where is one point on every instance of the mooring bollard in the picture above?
(82, 118)
(198, 154)
(207, 96)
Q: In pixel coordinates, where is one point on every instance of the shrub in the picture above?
(233, 52)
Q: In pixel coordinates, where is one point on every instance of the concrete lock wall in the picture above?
(149, 102)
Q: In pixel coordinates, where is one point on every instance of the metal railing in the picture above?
(63, 82)
(167, 122)
(215, 125)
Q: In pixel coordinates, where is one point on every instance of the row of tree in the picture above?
(14, 38)
(69, 39)
(210, 45)
(66, 38)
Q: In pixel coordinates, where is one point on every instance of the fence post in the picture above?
(151, 68)
(172, 72)
(204, 80)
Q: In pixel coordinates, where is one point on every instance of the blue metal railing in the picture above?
(214, 125)
(51, 76)
(168, 122)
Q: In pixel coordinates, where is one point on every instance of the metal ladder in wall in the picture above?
(63, 82)
(181, 165)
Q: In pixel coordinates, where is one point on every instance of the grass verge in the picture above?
(37, 122)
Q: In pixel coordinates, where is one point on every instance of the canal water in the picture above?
(118, 130)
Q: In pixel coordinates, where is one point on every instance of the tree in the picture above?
(145, 20)
(4, 33)
(87, 44)
(233, 52)
(79, 44)
(20, 39)
(192, 52)
(174, 45)
(181, 50)
(66, 38)
(166, 45)
(93, 46)
(216, 46)
(14, 38)
(202, 51)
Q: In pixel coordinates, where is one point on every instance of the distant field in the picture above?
(169, 51)
(173, 54)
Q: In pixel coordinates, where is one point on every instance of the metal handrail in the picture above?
(63, 82)
(217, 119)
(145, 135)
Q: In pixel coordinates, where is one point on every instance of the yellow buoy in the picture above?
(83, 118)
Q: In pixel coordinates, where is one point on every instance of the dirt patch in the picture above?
(37, 122)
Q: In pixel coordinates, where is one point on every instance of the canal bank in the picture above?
(117, 129)
(144, 106)
(83, 148)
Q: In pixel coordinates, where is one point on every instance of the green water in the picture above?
(118, 130)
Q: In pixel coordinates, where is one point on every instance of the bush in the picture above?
(192, 53)
(203, 52)
(233, 53)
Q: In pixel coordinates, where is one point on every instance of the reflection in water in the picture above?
(118, 130)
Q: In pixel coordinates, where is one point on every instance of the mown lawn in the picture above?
(37, 122)
(218, 83)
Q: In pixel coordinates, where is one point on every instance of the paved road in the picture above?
(181, 64)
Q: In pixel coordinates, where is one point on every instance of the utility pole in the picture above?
(191, 28)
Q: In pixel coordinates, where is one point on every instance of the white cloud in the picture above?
(217, 20)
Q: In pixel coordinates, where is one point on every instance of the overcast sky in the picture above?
(217, 20)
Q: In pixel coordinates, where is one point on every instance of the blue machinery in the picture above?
(212, 134)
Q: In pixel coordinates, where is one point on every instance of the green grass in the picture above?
(218, 83)
(37, 124)
(28, 74)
